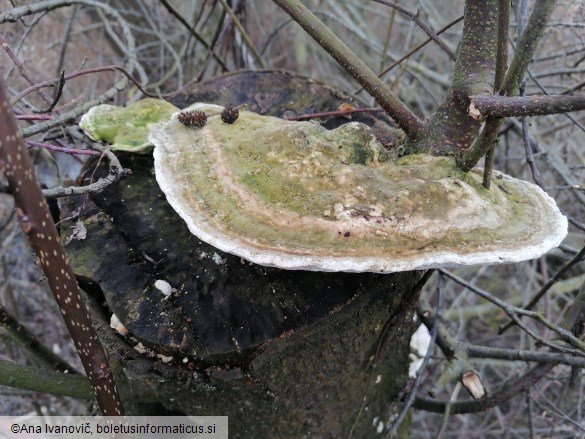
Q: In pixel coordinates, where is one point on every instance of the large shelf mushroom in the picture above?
(297, 196)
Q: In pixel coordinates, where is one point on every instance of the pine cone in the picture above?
(193, 118)
(230, 114)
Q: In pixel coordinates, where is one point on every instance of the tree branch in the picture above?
(492, 127)
(450, 129)
(31, 344)
(43, 380)
(414, 16)
(518, 67)
(506, 393)
(579, 257)
(353, 65)
(504, 106)
(42, 234)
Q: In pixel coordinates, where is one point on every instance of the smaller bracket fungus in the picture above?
(126, 128)
(297, 196)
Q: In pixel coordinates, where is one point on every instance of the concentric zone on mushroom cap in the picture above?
(297, 196)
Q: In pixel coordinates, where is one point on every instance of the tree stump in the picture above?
(287, 354)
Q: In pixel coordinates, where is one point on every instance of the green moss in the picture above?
(297, 186)
(126, 128)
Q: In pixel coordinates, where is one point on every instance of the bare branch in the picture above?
(116, 171)
(507, 106)
(418, 380)
(509, 391)
(353, 65)
(579, 257)
(43, 380)
(414, 16)
(33, 346)
(511, 83)
(42, 234)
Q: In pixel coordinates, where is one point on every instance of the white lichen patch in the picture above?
(218, 259)
(297, 196)
(140, 348)
(164, 287)
(117, 325)
(165, 358)
(419, 345)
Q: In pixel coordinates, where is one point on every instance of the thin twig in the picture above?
(244, 33)
(116, 171)
(334, 113)
(51, 147)
(516, 313)
(509, 391)
(353, 65)
(530, 154)
(33, 346)
(21, 67)
(418, 380)
(414, 16)
(56, 95)
(194, 33)
(579, 257)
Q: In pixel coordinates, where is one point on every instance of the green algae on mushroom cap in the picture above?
(297, 196)
(126, 128)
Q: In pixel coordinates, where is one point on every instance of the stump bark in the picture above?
(287, 354)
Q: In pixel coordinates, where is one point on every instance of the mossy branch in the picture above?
(43, 380)
(353, 65)
(43, 237)
(450, 130)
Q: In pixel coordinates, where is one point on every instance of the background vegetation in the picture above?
(155, 42)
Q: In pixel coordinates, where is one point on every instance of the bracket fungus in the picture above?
(126, 128)
(297, 196)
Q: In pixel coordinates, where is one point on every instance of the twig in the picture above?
(529, 154)
(50, 147)
(568, 265)
(501, 67)
(447, 411)
(417, 48)
(66, 37)
(414, 16)
(52, 82)
(509, 391)
(353, 65)
(193, 32)
(56, 95)
(475, 351)
(243, 32)
(515, 313)
(20, 66)
(334, 113)
(116, 171)
(418, 380)
(43, 380)
(33, 346)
